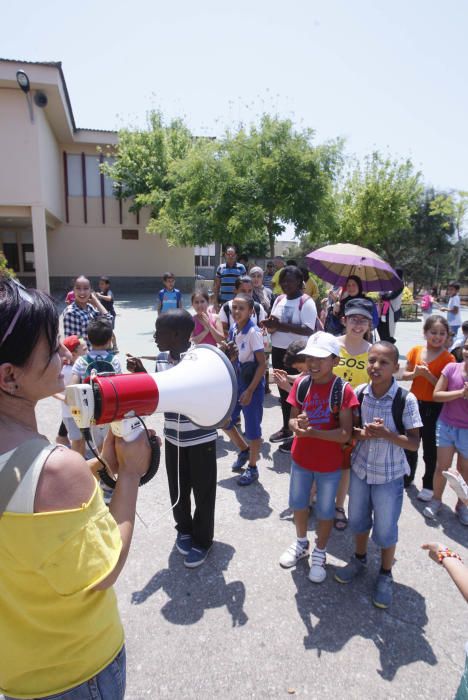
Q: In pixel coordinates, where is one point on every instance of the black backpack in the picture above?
(336, 393)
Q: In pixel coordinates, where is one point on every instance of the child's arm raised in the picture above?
(441, 395)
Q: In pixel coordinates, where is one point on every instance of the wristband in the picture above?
(446, 553)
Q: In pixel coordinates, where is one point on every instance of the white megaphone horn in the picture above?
(203, 387)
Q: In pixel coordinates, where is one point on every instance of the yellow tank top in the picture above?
(352, 368)
(57, 632)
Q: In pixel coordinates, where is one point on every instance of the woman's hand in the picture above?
(271, 324)
(93, 299)
(133, 457)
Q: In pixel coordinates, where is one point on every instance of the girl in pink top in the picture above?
(452, 431)
(208, 328)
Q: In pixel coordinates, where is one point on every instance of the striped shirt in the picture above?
(178, 429)
(76, 319)
(227, 276)
(379, 461)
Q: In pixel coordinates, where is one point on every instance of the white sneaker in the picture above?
(292, 555)
(425, 495)
(317, 573)
(457, 483)
(432, 509)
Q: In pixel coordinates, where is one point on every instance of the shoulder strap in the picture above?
(257, 311)
(398, 406)
(303, 388)
(17, 466)
(227, 311)
(336, 394)
(360, 398)
(303, 300)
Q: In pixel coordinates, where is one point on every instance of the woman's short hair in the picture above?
(291, 270)
(37, 315)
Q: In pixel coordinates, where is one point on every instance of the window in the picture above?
(197, 260)
(212, 260)
(75, 176)
(204, 260)
(108, 183)
(129, 234)
(28, 257)
(93, 176)
(10, 251)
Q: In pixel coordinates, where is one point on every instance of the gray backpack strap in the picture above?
(17, 466)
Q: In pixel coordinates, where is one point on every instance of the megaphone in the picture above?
(202, 387)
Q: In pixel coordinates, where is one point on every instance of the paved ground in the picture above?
(240, 626)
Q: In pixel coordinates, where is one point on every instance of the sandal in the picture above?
(340, 521)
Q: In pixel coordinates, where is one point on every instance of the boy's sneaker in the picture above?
(462, 511)
(196, 557)
(242, 459)
(183, 543)
(285, 446)
(281, 435)
(432, 509)
(248, 477)
(293, 554)
(355, 568)
(317, 572)
(383, 591)
(425, 495)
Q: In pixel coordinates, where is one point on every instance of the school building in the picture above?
(58, 213)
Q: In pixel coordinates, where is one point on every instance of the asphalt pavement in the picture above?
(240, 626)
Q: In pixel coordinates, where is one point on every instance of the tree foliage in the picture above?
(246, 185)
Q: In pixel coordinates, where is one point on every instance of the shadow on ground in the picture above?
(191, 592)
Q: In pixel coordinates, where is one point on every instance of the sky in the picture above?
(384, 76)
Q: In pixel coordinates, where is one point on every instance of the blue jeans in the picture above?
(327, 485)
(109, 684)
(376, 507)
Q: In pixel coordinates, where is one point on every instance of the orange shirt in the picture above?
(421, 387)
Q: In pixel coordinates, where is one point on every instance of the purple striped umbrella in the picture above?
(335, 263)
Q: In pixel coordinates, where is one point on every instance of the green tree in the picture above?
(5, 271)
(241, 188)
(454, 206)
(377, 202)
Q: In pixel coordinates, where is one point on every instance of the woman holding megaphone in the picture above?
(61, 549)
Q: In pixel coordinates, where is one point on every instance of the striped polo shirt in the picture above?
(227, 276)
(178, 429)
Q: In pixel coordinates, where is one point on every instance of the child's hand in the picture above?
(422, 371)
(298, 432)
(433, 548)
(271, 323)
(377, 429)
(280, 377)
(230, 349)
(245, 398)
(303, 421)
(134, 364)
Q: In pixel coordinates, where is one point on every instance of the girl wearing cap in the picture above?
(354, 352)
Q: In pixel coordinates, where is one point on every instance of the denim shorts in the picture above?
(450, 436)
(109, 684)
(375, 507)
(327, 485)
(253, 413)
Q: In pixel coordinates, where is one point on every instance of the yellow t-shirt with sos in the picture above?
(57, 631)
(352, 368)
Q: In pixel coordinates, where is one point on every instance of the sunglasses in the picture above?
(25, 299)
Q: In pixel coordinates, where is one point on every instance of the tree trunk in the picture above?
(271, 235)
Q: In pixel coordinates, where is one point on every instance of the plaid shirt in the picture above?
(76, 319)
(379, 461)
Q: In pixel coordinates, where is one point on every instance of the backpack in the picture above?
(336, 393)
(227, 311)
(302, 301)
(101, 365)
(398, 406)
(426, 302)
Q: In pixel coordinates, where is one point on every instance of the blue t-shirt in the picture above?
(169, 299)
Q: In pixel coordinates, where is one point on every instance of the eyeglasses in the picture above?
(25, 299)
(357, 320)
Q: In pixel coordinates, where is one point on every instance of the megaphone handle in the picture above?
(152, 469)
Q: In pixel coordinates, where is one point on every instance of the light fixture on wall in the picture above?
(23, 81)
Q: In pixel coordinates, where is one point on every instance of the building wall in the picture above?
(50, 166)
(19, 171)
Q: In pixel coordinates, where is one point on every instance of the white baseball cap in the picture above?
(321, 345)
